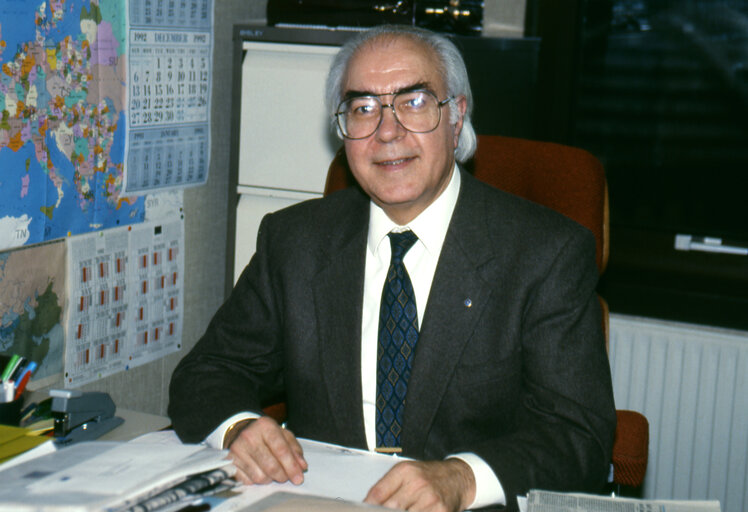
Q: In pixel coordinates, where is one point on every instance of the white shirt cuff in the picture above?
(215, 438)
(488, 489)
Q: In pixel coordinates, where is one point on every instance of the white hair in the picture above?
(452, 69)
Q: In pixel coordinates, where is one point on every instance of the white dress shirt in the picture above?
(420, 261)
(430, 227)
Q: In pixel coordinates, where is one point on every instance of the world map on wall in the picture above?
(62, 120)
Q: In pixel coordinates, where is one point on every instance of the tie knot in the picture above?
(401, 243)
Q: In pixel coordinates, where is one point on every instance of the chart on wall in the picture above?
(101, 101)
(126, 290)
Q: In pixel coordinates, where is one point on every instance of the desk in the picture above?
(136, 424)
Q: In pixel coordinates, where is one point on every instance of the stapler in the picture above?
(80, 416)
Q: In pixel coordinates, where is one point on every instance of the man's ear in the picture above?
(461, 103)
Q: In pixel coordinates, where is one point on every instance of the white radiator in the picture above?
(691, 382)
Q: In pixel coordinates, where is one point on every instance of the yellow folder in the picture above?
(15, 440)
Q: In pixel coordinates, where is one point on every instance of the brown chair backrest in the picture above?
(567, 179)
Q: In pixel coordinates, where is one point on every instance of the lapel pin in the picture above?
(468, 303)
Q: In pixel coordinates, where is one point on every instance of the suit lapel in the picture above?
(338, 296)
(458, 295)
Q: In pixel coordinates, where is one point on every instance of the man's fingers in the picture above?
(296, 448)
(266, 452)
(385, 491)
(241, 476)
(249, 473)
(281, 460)
(434, 486)
(246, 458)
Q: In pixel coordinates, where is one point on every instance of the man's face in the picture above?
(403, 172)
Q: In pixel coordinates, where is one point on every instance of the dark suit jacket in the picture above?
(520, 377)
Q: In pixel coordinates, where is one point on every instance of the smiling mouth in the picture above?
(399, 161)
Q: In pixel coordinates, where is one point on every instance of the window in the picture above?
(661, 98)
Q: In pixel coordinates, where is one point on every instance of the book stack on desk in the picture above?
(113, 476)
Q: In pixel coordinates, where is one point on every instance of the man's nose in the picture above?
(389, 128)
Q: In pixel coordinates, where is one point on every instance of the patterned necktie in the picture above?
(398, 334)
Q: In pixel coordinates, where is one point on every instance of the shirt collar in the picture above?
(430, 226)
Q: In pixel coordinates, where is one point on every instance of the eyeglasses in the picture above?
(417, 111)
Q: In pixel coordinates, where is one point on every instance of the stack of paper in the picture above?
(103, 475)
(335, 472)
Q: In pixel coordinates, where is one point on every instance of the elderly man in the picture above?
(425, 313)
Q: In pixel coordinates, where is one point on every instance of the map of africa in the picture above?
(62, 120)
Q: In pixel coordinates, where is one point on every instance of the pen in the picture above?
(15, 375)
(10, 367)
(21, 385)
(25, 376)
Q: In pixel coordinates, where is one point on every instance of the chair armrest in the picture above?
(276, 411)
(630, 449)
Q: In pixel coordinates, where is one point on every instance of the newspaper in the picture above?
(103, 475)
(546, 501)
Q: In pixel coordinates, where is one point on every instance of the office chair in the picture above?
(572, 182)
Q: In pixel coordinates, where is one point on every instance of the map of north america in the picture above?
(62, 120)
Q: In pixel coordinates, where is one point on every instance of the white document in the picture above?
(545, 501)
(37, 451)
(334, 472)
(101, 475)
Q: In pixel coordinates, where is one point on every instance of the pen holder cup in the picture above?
(10, 412)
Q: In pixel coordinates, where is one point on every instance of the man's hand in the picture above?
(264, 452)
(435, 486)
